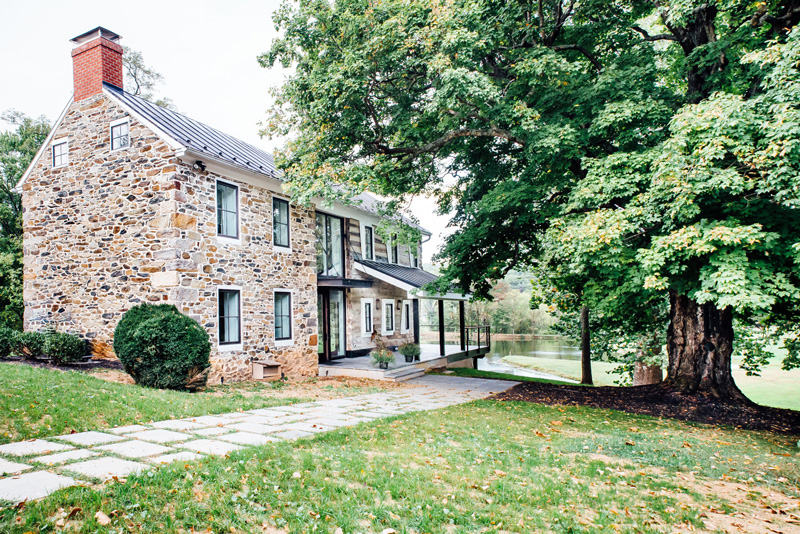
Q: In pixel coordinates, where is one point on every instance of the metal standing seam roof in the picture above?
(204, 139)
(412, 276)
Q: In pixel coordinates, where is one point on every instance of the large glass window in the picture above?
(229, 314)
(369, 243)
(280, 222)
(283, 315)
(60, 154)
(366, 317)
(388, 316)
(227, 210)
(329, 246)
(120, 136)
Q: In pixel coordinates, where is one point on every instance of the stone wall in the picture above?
(114, 229)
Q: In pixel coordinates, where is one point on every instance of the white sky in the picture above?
(206, 50)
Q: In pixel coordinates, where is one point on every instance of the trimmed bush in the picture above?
(30, 345)
(162, 348)
(8, 341)
(64, 348)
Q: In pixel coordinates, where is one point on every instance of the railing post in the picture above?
(441, 327)
(462, 322)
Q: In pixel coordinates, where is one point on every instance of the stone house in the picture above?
(128, 202)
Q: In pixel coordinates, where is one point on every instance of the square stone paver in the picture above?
(34, 446)
(107, 468)
(61, 457)
(290, 418)
(246, 438)
(212, 431)
(209, 420)
(89, 439)
(128, 429)
(234, 415)
(32, 486)
(136, 449)
(309, 427)
(9, 468)
(160, 436)
(255, 428)
(292, 434)
(184, 456)
(269, 412)
(210, 446)
(257, 419)
(178, 424)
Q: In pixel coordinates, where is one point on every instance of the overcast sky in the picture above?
(206, 51)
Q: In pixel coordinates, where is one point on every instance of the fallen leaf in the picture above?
(102, 518)
(631, 443)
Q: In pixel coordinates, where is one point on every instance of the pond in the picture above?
(553, 348)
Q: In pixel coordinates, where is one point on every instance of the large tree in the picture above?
(637, 151)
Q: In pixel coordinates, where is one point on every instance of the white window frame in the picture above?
(62, 141)
(230, 347)
(363, 241)
(366, 329)
(280, 248)
(384, 331)
(111, 136)
(284, 342)
(221, 238)
(403, 329)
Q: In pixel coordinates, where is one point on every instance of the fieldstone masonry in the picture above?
(113, 229)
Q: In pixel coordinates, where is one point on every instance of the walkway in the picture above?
(34, 469)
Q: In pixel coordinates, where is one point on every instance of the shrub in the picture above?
(31, 344)
(8, 341)
(64, 348)
(382, 356)
(409, 349)
(162, 348)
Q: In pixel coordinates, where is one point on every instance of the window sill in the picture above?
(283, 250)
(229, 240)
(229, 348)
(284, 343)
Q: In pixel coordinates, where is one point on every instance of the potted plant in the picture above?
(383, 357)
(410, 350)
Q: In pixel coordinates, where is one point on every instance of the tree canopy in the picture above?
(638, 152)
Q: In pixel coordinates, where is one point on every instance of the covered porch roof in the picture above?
(410, 279)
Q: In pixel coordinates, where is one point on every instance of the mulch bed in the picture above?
(659, 401)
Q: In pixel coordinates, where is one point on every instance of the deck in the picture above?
(400, 370)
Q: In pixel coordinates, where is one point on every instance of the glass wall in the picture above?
(330, 253)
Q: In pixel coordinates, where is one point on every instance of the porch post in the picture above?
(462, 324)
(415, 307)
(441, 327)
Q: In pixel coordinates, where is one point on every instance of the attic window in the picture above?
(120, 134)
(60, 153)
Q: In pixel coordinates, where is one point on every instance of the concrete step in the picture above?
(403, 374)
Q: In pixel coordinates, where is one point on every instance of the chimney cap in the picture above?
(94, 34)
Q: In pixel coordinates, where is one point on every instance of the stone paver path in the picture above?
(33, 469)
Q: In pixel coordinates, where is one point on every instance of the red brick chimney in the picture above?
(96, 58)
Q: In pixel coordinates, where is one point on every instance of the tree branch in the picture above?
(658, 37)
(433, 146)
(582, 50)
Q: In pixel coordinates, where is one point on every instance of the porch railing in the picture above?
(478, 337)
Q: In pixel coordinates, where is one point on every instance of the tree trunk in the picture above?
(699, 345)
(586, 351)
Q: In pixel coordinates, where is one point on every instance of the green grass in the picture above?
(483, 467)
(37, 402)
(775, 387)
(475, 373)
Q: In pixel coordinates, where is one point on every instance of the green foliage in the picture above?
(31, 344)
(162, 348)
(8, 341)
(142, 80)
(624, 165)
(409, 349)
(382, 356)
(63, 348)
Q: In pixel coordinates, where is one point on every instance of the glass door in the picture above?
(331, 312)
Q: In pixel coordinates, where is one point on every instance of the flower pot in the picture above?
(383, 365)
(409, 359)
(416, 358)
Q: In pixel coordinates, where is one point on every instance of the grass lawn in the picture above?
(37, 402)
(775, 387)
(475, 373)
(487, 466)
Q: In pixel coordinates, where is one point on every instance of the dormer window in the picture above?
(120, 134)
(60, 153)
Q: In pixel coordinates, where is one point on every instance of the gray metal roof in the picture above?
(409, 275)
(200, 137)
